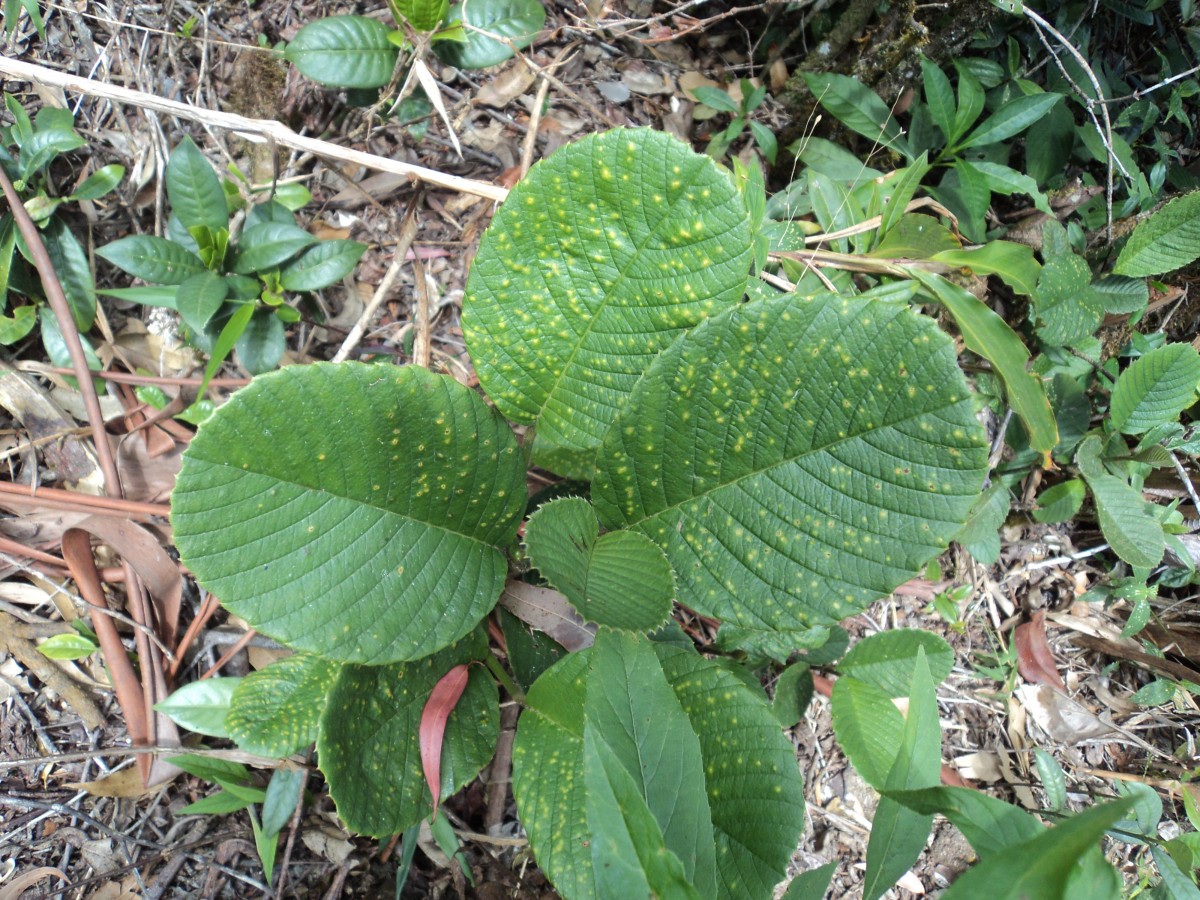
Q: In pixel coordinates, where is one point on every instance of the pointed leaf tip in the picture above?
(441, 703)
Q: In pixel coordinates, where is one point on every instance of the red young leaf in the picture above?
(438, 707)
(1035, 662)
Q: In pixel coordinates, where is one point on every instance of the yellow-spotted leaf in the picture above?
(599, 258)
(796, 459)
(353, 511)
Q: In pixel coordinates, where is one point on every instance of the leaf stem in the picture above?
(504, 678)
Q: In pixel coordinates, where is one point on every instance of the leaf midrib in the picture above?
(328, 493)
(792, 459)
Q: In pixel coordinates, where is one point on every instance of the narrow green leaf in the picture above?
(898, 834)
(218, 804)
(219, 771)
(194, 189)
(344, 51)
(915, 236)
(268, 245)
(634, 716)
(201, 706)
(715, 97)
(907, 182)
(147, 296)
(283, 796)
(620, 579)
(1013, 263)
(70, 262)
(276, 711)
(990, 825)
(399, 537)
(939, 96)
(99, 183)
(67, 646)
(493, 29)
(858, 108)
(1168, 240)
(1053, 778)
(1011, 119)
(1155, 389)
(322, 265)
(1126, 519)
(970, 102)
(888, 660)
(1040, 867)
(1008, 181)
(987, 334)
(152, 259)
(231, 332)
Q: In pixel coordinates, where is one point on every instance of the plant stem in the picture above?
(504, 678)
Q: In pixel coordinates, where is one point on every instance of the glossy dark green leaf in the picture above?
(194, 189)
(152, 259)
(344, 51)
(199, 297)
(103, 181)
(859, 108)
(70, 262)
(201, 706)
(322, 265)
(261, 345)
(268, 245)
(44, 145)
(493, 29)
(1011, 119)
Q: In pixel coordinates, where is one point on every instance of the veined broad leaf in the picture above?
(620, 579)
(610, 269)
(1067, 307)
(869, 728)
(276, 711)
(750, 777)
(1155, 389)
(1166, 241)
(344, 51)
(372, 532)
(796, 459)
(369, 748)
(70, 261)
(887, 660)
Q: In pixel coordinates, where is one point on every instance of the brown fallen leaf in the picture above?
(125, 783)
(1035, 661)
(548, 611)
(19, 885)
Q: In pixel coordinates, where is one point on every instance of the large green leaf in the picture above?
(344, 51)
(493, 29)
(1127, 520)
(796, 459)
(322, 265)
(750, 777)
(633, 712)
(276, 711)
(351, 510)
(1013, 263)
(368, 745)
(755, 791)
(621, 579)
(265, 246)
(1067, 307)
(194, 189)
(1166, 241)
(598, 259)
(1155, 389)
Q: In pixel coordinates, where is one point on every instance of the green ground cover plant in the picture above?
(776, 464)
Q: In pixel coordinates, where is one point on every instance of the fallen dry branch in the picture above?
(251, 129)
